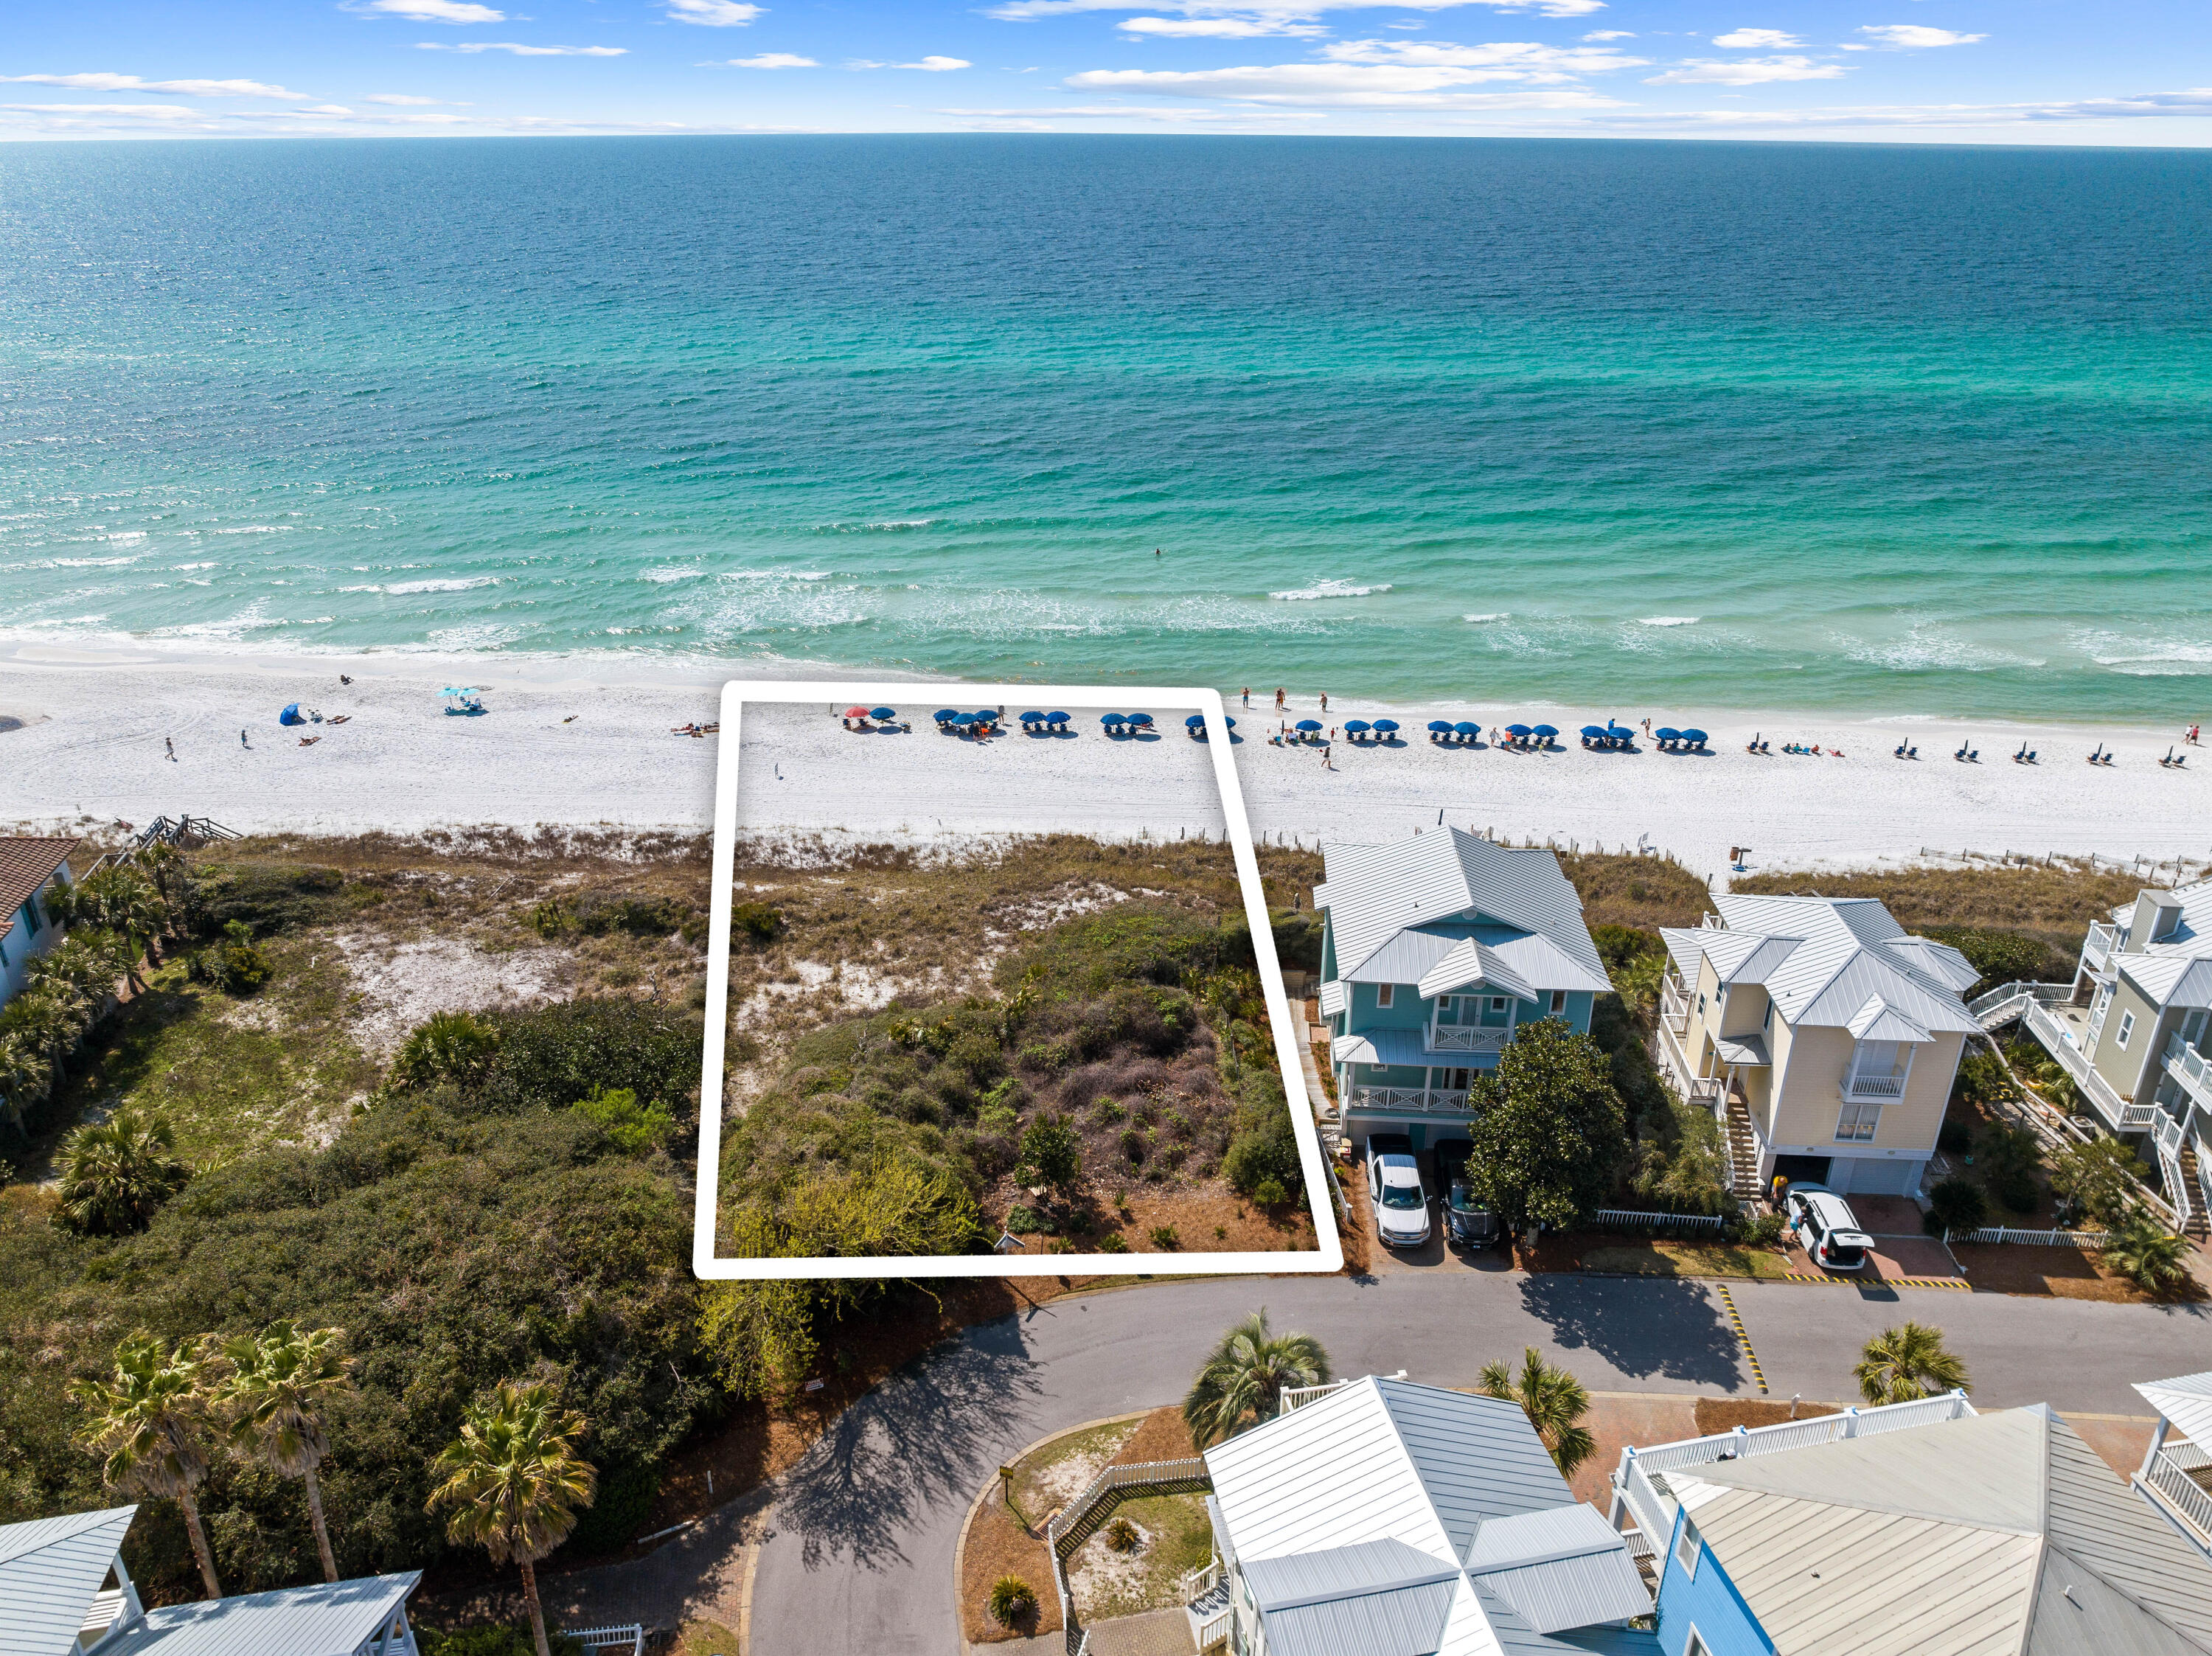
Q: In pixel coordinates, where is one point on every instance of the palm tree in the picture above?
(115, 1172)
(25, 1074)
(150, 1422)
(2147, 1253)
(1243, 1379)
(120, 900)
(277, 1385)
(515, 1481)
(1908, 1362)
(1554, 1400)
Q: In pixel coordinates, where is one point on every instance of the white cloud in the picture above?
(433, 11)
(1912, 37)
(775, 60)
(1358, 85)
(1610, 34)
(1021, 11)
(1224, 28)
(130, 112)
(520, 50)
(712, 14)
(1746, 71)
(1757, 39)
(132, 83)
(1497, 60)
(937, 65)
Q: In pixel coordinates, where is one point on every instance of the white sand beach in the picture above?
(557, 747)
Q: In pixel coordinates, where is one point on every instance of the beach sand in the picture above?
(558, 748)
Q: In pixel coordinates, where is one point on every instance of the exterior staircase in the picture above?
(1743, 1149)
(2199, 1228)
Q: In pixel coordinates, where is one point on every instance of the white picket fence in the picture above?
(1696, 1224)
(2082, 1239)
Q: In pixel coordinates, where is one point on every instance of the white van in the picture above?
(1826, 1228)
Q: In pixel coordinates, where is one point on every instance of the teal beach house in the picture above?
(1435, 949)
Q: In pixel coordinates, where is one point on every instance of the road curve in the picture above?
(860, 1554)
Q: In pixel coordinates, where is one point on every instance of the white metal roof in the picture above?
(326, 1619)
(1332, 997)
(2161, 970)
(1941, 1540)
(1877, 1019)
(1424, 1469)
(1822, 960)
(1525, 967)
(1743, 1049)
(1388, 1046)
(1374, 892)
(50, 1570)
(2186, 1401)
(1565, 1567)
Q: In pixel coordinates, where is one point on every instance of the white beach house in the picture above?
(64, 1592)
(1380, 1518)
(1435, 949)
(1824, 1033)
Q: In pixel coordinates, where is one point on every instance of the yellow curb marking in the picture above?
(1742, 1338)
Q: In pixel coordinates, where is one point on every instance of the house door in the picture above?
(1803, 1169)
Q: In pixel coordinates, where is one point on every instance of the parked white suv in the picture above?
(1394, 1195)
(1826, 1228)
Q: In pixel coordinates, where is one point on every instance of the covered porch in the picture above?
(2176, 1471)
(1387, 1075)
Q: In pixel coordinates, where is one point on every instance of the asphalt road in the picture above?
(860, 1554)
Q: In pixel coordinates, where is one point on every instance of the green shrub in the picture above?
(1956, 1205)
(1269, 1192)
(755, 922)
(2006, 1158)
(1013, 1601)
(629, 1126)
(550, 1056)
(1051, 1150)
(2002, 956)
(1113, 1242)
(265, 899)
(1165, 1239)
(1954, 1137)
(236, 964)
(449, 1047)
(1122, 1536)
(1762, 1230)
(1023, 1220)
(1298, 939)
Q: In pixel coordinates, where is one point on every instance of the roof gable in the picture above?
(1373, 892)
(50, 1570)
(326, 1619)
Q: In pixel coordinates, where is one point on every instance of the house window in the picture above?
(2127, 1027)
(1685, 1549)
(1497, 1003)
(1857, 1123)
(1382, 993)
(1767, 1022)
(1697, 1646)
(1558, 1001)
(32, 920)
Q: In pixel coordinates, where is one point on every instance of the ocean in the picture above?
(1841, 426)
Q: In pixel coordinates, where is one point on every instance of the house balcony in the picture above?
(2098, 948)
(1674, 1006)
(1878, 1088)
(1409, 1100)
(2180, 1478)
(1467, 1037)
(2190, 1071)
(2063, 1032)
(1674, 1065)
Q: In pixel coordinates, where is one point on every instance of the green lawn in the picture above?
(233, 1074)
(1177, 1539)
(1658, 1258)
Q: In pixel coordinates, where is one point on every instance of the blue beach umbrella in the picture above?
(1112, 718)
(1356, 725)
(1620, 733)
(962, 719)
(1593, 729)
(1386, 724)
(883, 713)
(1196, 722)
(1466, 727)
(1229, 722)
(946, 715)
(987, 716)
(1695, 738)
(1518, 730)
(1310, 724)
(291, 714)
(1140, 719)
(1547, 731)
(1666, 733)
(1440, 725)
(1033, 719)
(1056, 718)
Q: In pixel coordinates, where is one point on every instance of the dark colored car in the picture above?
(1452, 1157)
(1467, 1223)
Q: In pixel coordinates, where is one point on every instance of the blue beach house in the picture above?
(1435, 949)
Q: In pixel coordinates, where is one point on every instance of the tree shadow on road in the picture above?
(1652, 1328)
(931, 1433)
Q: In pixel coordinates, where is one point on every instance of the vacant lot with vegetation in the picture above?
(1054, 1038)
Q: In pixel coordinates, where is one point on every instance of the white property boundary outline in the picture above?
(708, 1265)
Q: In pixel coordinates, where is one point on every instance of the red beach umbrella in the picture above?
(856, 713)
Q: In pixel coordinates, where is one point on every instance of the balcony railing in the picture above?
(2190, 1069)
(2180, 1493)
(1674, 1006)
(1857, 1085)
(2096, 947)
(1409, 1100)
(1467, 1037)
(2056, 1039)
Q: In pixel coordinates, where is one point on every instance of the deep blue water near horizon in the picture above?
(1872, 427)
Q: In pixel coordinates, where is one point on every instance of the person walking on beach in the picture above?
(1247, 694)
(242, 742)
(1279, 698)
(1324, 700)
(169, 745)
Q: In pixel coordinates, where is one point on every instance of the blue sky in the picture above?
(2027, 72)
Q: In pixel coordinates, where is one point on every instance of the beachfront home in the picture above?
(1378, 1516)
(1435, 949)
(30, 870)
(1986, 1533)
(64, 1592)
(1824, 1034)
(2134, 1029)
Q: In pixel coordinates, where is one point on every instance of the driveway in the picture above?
(859, 1553)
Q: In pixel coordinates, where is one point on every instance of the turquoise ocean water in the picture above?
(1860, 427)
